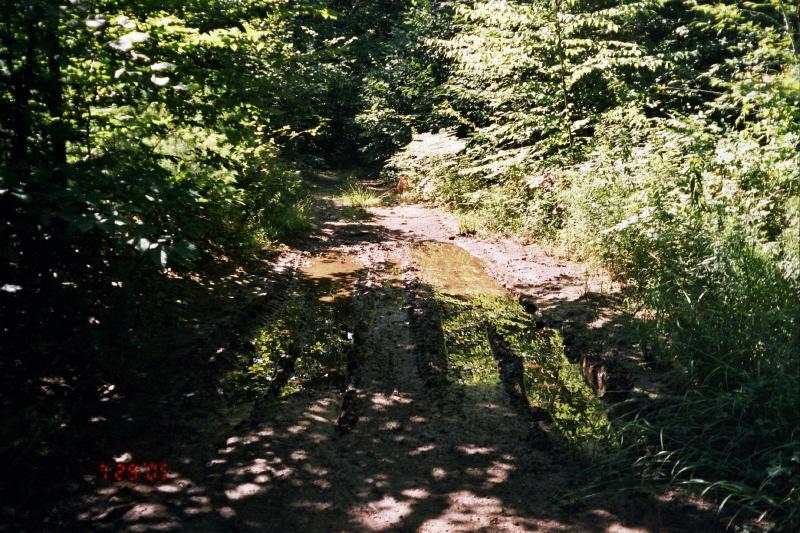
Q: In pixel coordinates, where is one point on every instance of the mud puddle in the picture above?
(452, 270)
(471, 302)
(305, 342)
(331, 276)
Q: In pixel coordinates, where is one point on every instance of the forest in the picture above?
(161, 162)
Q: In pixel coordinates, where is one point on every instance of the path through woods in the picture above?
(389, 441)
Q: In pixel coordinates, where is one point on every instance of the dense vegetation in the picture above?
(139, 140)
(660, 139)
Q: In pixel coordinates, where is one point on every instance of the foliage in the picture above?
(659, 139)
(170, 126)
(398, 93)
(142, 143)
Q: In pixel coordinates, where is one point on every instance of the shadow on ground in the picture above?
(419, 457)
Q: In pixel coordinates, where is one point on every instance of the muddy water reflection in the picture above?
(453, 270)
(469, 299)
(331, 275)
(313, 324)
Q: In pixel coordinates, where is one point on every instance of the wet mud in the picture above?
(307, 343)
(394, 385)
(492, 338)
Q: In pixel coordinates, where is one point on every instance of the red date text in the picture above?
(135, 472)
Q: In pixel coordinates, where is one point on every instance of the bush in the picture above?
(659, 140)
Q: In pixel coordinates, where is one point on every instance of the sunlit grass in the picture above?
(408, 196)
(470, 223)
(356, 194)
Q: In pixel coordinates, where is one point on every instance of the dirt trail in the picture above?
(407, 455)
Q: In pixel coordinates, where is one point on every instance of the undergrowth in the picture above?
(659, 141)
(357, 195)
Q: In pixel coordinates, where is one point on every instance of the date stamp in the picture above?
(151, 472)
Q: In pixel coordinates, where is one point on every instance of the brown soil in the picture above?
(409, 453)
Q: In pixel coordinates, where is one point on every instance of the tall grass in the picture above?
(704, 227)
(355, 194)
(291, 220)
(703, 224)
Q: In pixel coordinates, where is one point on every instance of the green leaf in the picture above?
(159, 256)
(186, 250)
(142, 244)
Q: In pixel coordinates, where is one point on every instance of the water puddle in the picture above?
(454, 271)
(313, 326)
(469, 300)
(331, 275)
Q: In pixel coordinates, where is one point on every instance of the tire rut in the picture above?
(426, 325)
(401, 446)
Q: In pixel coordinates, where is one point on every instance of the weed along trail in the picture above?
(397, 385)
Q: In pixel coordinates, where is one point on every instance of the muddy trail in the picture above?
(404, 378)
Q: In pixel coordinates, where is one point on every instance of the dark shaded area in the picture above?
(601, 335)
(387, 449)
(426, 323)
(114, 369)
(420, 456)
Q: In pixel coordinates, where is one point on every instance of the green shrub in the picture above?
(658, 140)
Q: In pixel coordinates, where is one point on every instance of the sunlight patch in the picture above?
(422, 449)
(470, 449)
(417, 494)
(383, 514)
(245, 490)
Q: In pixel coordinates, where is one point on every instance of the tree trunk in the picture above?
(21, 110)
(55, 93)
